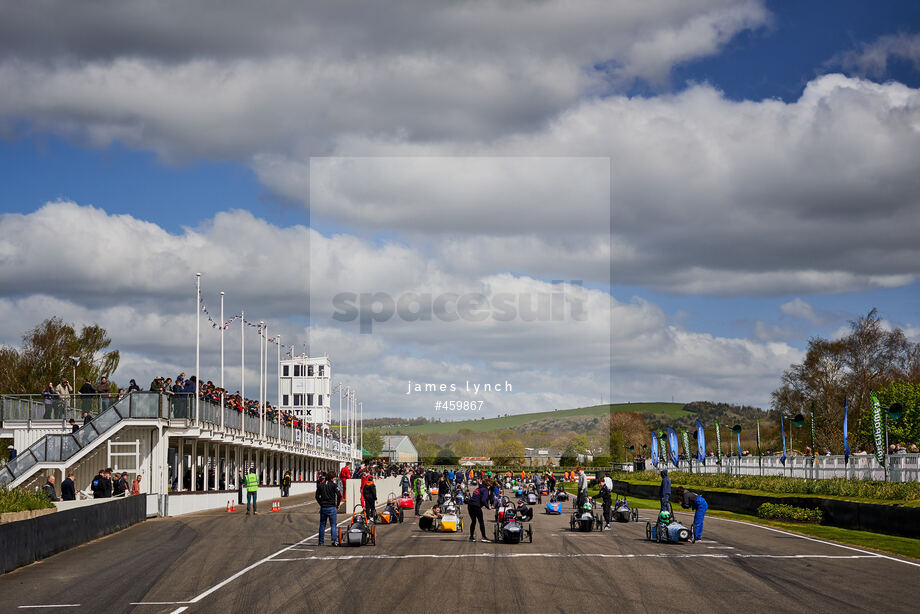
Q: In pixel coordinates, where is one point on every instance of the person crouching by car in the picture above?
(696, 502)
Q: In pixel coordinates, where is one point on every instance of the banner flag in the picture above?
(700, 443)
(739, 444)
(782, 429)
(846, 444)
(759, 453)
(718, 444)
(814, 452)
(877, 428)
(686, 441)
(654, 449)
(672, 446)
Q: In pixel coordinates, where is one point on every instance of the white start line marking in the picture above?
(562, 555)
(52, 605)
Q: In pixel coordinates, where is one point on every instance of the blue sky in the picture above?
(177, 130)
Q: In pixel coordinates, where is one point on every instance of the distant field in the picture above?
(492, 424)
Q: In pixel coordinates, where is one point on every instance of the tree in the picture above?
(462, 448)
(508, 453)
(427, 450)
(46, 357)
(618, 446)
(373, 442)
(870, 358)
(446, 457)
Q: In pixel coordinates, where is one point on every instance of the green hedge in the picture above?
(781, 511)
(833, 487)
(20, 500)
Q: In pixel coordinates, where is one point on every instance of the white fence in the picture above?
(901, 467)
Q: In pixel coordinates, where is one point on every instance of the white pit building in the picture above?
(305, 386)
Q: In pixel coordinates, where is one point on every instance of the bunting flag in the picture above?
(814, 452)
(846, 444)
(758, 439)
(877, 430)
(654, 449)
(739, 444)
(686, 440)
(672, 446)
(782, 429)
(718, 444)
(700, 443)
(218, 326)
(215, 323)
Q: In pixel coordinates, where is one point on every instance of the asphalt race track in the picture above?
(220, 562)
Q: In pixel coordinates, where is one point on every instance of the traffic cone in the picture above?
(276, 506)
(229, 509)
(233, 506)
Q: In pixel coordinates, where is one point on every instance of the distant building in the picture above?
(542, 457)
(399, 449)
(475, 461)
(305, 387)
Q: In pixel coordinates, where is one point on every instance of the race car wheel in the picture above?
(635, 514)
(648, 531)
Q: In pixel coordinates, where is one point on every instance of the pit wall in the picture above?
(27, 541)
(178, 504)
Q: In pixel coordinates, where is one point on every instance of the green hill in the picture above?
(674, 410)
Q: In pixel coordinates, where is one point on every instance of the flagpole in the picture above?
(261, 407)
(265, 369)
(197, 341)
(362, 429)
(278, 370)
(222, 360)
(243, 360)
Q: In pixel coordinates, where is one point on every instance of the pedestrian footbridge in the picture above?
(177, 445)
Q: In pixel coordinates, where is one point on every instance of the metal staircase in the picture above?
(68, 448)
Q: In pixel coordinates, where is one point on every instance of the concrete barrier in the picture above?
(30, 540)
(179, 503)
(876, 517)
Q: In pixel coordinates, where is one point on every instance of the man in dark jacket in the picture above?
(286, 484)
(604, 493)
(121, 484)
(68, 489)
(404, 484)
(87, 391)
(49, 489)
(478, 500)
(664, 491)
(108, 484)
(99, 485)
(327, 496)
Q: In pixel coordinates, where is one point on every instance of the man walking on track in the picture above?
(419, 488)
(252, 488)
(478, 500)
(327, 496)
